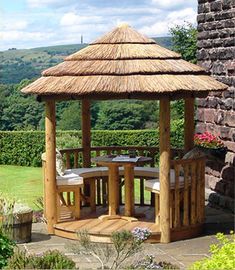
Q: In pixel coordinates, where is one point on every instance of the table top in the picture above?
(108, 160)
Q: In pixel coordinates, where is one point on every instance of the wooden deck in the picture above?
(101, 230)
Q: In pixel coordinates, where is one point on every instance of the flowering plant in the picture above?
(208, 140)
(141, 234)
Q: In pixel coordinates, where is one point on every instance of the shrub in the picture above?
(24, 148)
(52, 259)
(6, 249)
(222, 254)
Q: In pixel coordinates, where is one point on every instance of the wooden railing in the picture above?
(73, 159)
(188, 194)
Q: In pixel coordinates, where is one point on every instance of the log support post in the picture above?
(165, 169)
(86, 133)
(50, 173)
(188, 124)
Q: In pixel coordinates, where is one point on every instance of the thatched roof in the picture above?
(123, 64)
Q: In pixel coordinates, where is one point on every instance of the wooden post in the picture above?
(50, 179)
(188, 124)
(86, 133)
(165, 169)
(129, 190)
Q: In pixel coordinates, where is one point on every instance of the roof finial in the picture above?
(123, 25)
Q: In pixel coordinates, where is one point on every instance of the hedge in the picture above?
(25, 147)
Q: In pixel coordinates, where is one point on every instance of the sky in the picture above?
(36, 23)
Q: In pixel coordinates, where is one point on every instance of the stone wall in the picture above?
(216, 113)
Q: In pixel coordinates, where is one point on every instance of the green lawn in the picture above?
(23, 183)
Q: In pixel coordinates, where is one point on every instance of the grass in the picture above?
(22, 183)
(25, 184)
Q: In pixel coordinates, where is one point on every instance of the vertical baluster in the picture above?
(142, 191)
(198, 192)
(98, 191)
(68, 164)
(177, 198)
(193, 192)
(202, 197)
(75, 158)
(186, 199)
(104, 191)
(97, 153)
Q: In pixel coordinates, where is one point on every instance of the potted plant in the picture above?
(210, 144)
(16, 219)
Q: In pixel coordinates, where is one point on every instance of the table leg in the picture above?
(113, 189)
(129, 190)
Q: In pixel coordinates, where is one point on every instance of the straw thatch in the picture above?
(123, 64)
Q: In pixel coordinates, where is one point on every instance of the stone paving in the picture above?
(181, 253)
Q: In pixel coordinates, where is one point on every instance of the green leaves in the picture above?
(184, 39)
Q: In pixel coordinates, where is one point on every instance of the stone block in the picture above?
(209, 115)
(211, 127)
(216, 6)
(230, 146)
(212, 181)
(229, 23)
(200, 115)
(229, 42)
(213, 102)
(201, 102)
(219, 117)
(218, 68)
(203, 8)
(200, 127)
(209, 17)
(220, 187)
(202, 54)
(226, 104)
(227, 4)
(201, 18)
(224, 132)
(228, 173)
(230, 118)
(229, 190)
(230, 159)
(230, 93)
(232, 134)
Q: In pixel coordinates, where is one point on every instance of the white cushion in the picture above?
(142, 171)
(154, 184)
(69, 180)
(88, 172)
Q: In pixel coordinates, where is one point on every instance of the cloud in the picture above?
(70, 19)
(14, 25)
(161, 26)
(49, 3)
(173, 4)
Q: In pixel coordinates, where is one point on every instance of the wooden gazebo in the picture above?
(122, 64)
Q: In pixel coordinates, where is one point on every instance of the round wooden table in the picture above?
(113, 183)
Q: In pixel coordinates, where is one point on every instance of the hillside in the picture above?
(17, 65)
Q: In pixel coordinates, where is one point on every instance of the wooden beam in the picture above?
(86, 133)
(188, 124)
(165, 170)
(50, 177)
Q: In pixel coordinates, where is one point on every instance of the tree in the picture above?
(184, 39)
(121, 115)
(71, 117)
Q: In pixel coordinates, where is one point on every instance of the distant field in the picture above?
(23, 183)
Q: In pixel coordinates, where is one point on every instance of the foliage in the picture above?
(149, 263)
(52, 259)
(208, 140)
(25, 147)
(124, 245)
(6, 249)
(222, 254)
(184, 39)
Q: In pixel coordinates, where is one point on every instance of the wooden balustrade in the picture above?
(73, 159)
(188, 194)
